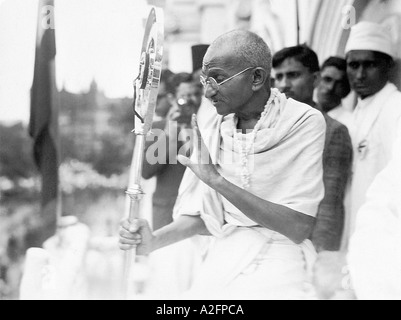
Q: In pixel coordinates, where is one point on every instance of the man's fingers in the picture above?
(130, 242)
(203, 154)
(125, 224)
(133, 234)
(129, 235)
(197, 132)
(126, 247)
(134, 226)
(137, 224)
(199, 145)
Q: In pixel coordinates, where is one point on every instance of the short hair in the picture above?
(250, 48)
(302, 53)
(166, 78)
(337, 62)
(179, 78)
(340, 64)
(388, 60)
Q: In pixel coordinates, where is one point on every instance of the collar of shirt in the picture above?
(359, 112)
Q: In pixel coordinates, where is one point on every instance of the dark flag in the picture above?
(43, 126)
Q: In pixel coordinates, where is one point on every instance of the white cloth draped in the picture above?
(286, 169)
(374, 254)
(375, 124)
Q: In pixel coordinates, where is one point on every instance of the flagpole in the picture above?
(43, 126)
(56, 118)
(298, 22)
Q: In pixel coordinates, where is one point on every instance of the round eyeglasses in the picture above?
(214, 84)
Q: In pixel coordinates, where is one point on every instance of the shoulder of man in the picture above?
(392, 108)
(305, 112)
(395, 101)
(338, 140)
(336, 126)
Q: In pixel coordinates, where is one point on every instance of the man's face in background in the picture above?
(188, 99)
(367, 72)
(190, 92)
(295, 80)
(332, 88)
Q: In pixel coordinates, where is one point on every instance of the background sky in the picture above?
(96, 39)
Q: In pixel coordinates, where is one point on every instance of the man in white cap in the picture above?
(374, 264)
(370, 58)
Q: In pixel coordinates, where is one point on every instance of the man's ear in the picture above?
(316, 79)
(260, 77)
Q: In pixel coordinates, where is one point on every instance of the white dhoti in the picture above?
(251, 264)
(245, 260)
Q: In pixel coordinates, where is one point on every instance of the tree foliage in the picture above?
(16, 160)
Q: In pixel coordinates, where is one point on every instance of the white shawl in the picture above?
(287, 171)
(287, 166)
(374, 254)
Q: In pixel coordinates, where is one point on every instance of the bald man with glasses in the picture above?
(253, 184)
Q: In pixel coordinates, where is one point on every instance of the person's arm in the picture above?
(139, 235)
(290, 223)
(327, 233)
(167, 144)
(151, 169)
(294, 225)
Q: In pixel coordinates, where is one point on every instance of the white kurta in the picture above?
(373, 135)
(375, 248)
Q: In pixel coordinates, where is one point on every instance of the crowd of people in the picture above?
(307, 207)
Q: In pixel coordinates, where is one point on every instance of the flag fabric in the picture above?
(43, 126)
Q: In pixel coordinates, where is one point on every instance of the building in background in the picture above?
(94, 127)
(323, 24)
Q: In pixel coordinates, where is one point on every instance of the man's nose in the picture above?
(210, 91)
(330, 86)
(283, 84)
(361, 73)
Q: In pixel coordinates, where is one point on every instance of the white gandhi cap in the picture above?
(371, 36)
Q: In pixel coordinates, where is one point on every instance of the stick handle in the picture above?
(136, 194)
(147, 86)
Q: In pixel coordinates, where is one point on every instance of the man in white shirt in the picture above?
(377, 119)
(374, 256)
(370, 59)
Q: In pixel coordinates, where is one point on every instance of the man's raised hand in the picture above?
(203, 168)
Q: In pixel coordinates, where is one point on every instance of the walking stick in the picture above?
(146, 88)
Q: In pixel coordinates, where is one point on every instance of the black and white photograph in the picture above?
(200, 154)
